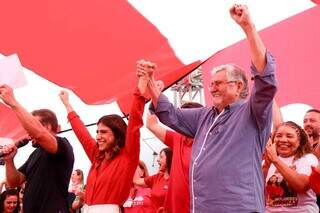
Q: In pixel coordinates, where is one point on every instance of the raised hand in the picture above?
(144, 72)
(64, 97)
(240, 14)
(6, 94)
(145, 67)
(9, 151)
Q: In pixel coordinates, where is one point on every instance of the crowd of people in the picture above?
(221, 158)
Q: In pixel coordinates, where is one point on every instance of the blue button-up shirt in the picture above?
(225, 172)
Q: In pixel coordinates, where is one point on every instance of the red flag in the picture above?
(9, 123)
(90, 47)
(295, 44)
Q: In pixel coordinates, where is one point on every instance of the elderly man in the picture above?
(49, 167)
(230, 137)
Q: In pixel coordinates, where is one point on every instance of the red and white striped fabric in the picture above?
(91, 47)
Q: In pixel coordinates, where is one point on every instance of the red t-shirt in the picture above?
(315, 181)
(110, 182)
(178, 196)
(159, 187)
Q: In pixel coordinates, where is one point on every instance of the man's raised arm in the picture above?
(240, 14)
(33, 126)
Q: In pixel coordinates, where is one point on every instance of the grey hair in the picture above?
(234, 73)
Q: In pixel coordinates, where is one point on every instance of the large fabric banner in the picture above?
(295, 43)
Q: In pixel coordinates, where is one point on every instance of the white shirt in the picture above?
(297, 202)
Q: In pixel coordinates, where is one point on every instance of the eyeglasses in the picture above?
(219, 83)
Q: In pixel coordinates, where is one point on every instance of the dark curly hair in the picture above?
(304, 146)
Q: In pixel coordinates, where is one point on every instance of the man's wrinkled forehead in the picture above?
(219, 75)
(218, 70)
